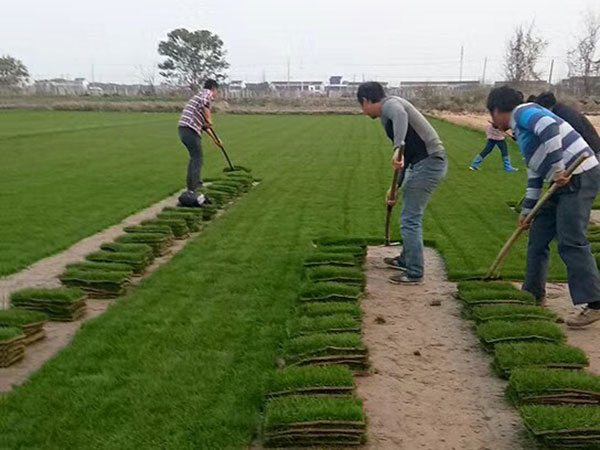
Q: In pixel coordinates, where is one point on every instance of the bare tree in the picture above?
(583, 59)
(13, 73)
(148, 77)
(523, 52)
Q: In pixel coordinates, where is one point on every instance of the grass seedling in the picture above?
(337, 323)
(554, 387)
(313, 421)
(329, 292)
(508, 357)
(346, 275)
(329, 308)
(331, 259)
(326, 380)
(500, 331)
(513, 313)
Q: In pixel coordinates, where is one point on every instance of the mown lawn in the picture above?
(181, 363)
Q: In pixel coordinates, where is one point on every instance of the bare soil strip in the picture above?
(431, 385)
(45, 272)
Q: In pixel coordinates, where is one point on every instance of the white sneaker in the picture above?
(586, 317)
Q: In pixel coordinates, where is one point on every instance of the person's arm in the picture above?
(535, 183)
(207, 116)
(396, 113)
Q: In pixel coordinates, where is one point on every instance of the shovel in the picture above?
(491, 274)
(219, 144)
(397, 180)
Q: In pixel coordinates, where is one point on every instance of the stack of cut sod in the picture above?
(501, 331)
(60, 304)
(159, 243)
(97, 283)
(137, 261)
(30, 322)
(12, 346)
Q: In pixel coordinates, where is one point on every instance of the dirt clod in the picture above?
(379, 320)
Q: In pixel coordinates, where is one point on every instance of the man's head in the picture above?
(546, 99)
(369, 96)
(212, 86)
(501, 103)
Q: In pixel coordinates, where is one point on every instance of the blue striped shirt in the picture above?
(548, 145)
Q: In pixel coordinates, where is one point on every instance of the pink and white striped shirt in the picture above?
(494, 133)
(193, 112)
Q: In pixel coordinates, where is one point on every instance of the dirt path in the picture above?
(559, 301)
(431, 386)
(45, 272)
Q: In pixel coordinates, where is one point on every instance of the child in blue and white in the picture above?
(495, 137)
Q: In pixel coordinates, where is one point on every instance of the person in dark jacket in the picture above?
(578, 121)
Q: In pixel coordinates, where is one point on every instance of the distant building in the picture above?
(61, 86)
(298, 87)
(576, 86)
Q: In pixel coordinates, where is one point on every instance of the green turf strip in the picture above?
(192, 220)
(329, 308)
(347, 275)
(329, 292)
(488, 313)
(561, 419)
(138, 261)
(332, 259)
(306, 380)
(327, 349)
(283, 412)
(229, 191)
(127, 248)
(355, 250)
(508, 357)
(494, 294)
(161, 229)
(101, 266)
(16, 317)
(178, 226)
(337, 323)
(501, 331)
(470, 286)
(551, 386)
(57, 295)
(9, 333)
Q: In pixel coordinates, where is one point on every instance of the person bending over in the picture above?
(549, 145)
(424, 160)
(495, 137)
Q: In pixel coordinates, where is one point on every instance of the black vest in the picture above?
(415, 149)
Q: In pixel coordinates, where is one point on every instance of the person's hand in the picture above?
(523, 223)
(391, 197)
(397, 161)
(561, 178)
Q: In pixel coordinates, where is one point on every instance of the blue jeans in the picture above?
(419, 184)
(489, 146)
(565, 217)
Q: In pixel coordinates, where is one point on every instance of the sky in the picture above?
(385, 40)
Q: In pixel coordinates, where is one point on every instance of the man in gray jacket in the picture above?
(424, 162)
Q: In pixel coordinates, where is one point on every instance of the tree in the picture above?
(13, 72)
(523, 51)
(582, 58)
(192, 57)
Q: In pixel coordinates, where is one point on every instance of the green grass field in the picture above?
(182, 363)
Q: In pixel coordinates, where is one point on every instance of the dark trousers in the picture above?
(193, 143)
(489, 146)
(565, 217)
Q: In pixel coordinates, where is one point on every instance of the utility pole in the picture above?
(93, 76)
(551, 72)
(288, 72)
(484, 70)
(462, 61)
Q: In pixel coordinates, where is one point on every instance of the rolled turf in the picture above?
(12, 346)
(513, 313)
(326, 380)
(499, 331)
(331, 259)
(313, 421)
(345, 275)
(60, 304)
(554, 387)
(31, 322)
(508, 357)
(329, 308)
(325, 292)
(336, 323)
(327, 349)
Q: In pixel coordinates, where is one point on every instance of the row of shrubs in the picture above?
(558, 400)
(108, 273)
(311, 400)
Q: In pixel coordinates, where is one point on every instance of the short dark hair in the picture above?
(546, 99)
(211, 84)
(504, 99)
(531, 99)
(372, 91)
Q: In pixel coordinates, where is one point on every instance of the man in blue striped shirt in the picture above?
(549, 145)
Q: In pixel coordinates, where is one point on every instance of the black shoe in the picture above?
(394, 263)
(404, 279)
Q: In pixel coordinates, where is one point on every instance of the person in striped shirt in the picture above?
(549, 145)
(194, 119)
